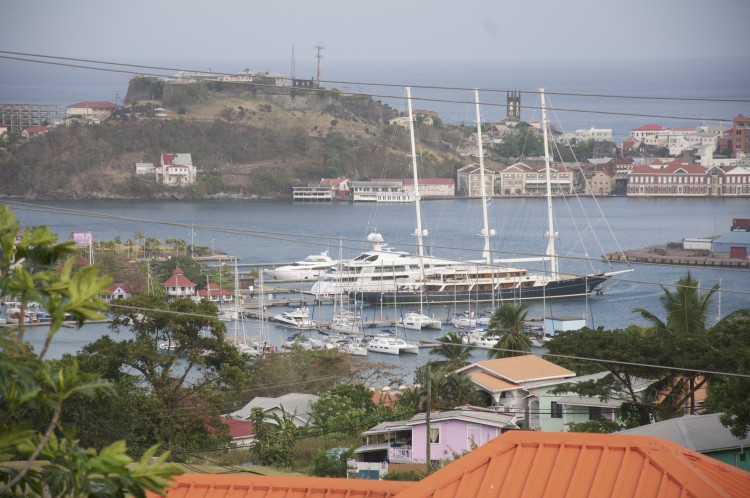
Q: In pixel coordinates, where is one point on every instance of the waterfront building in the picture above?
(214, 293)
(380, 191)
(429, 188)
(469, 182)
(681, 178)
(521, 179)
(326, 190)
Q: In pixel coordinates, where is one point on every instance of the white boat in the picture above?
(389, 344)
(414, 320)
(347, 322)
(479, 338)
(298, 318)
(303, 341)
(310, 268)
(470, 319)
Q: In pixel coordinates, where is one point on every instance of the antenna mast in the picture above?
(294, 69)
(319, 47)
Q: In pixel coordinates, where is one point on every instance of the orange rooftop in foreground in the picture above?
(517, 464)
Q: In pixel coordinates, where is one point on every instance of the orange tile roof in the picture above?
(530, 464)
(492, 383)
(255, 486)
(521, 369)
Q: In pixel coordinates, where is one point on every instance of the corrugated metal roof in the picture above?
(254, 486)
(694, 432)
(530, 464)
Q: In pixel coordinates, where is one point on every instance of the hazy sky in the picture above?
(378, 30)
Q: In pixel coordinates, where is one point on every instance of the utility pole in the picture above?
(319, 47)
(428, 457)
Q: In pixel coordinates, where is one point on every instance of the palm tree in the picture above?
(687, 325)
(687, 310)
(507, 322)
(453, 351)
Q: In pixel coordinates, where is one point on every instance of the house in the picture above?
(595, 134)
(327, 189)
(241, 431)
(401, 446)
(506, 384)
(33, 131)
(600, 181)
(172, 169)
(116, 291)
(296, 405)
(214, 293)
(94, 111)
(517, 464)
(557, 411)
(702, 433)
(178, 285)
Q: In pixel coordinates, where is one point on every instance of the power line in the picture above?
(399, 97)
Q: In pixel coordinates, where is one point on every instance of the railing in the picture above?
(400, 454)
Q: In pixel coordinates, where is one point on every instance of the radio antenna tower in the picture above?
(293, 64)
(320, 48)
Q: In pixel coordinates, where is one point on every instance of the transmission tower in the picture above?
(319, 48)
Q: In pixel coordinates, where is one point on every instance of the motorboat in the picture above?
(389, 344)
(479, 338)
(298, 318)
(414, 320)
(303, 341)
(346, 322)
(310, 268)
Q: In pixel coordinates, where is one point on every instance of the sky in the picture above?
(139, 31)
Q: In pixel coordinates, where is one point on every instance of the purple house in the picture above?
(401, 446)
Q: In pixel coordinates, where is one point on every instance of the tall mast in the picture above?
(420, 242)
(550, 218)
(485, 230)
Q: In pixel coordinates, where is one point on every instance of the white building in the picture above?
(595, 134)
(175, 170)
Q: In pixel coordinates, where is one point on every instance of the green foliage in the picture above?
(403, 476)
(161, 270)
(274, 438)
(191, 380)
(454, 353)
(339, 154)
(600, 425)
(332, 463)
(526, 143)
(38, 455)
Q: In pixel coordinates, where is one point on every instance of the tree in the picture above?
(188, 376)
(508, 321)
(47, 458)
(273, 438)
(453, 351)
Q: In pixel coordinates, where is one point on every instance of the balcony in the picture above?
(400, 454)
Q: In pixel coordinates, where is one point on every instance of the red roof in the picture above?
(255, 486)
(95, 105)
(33, 130)
(649, 127)
(167, 159)
(238, 428)
(531, 464)
(178, 280)
(213, 289)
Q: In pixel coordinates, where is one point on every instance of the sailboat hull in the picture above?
(560, 288)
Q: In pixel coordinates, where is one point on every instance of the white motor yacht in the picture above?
(297, 319)
(310, 268)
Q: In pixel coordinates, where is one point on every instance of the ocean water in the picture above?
(681, 92)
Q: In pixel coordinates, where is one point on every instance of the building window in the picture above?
(595, 412)
(556, 409)
(434, 435)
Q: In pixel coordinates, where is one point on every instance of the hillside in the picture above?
(245, 143)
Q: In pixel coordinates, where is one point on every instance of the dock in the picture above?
(670, 255)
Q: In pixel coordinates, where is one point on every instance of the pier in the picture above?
(670, 255)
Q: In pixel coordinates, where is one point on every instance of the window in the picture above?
(434, 435)
(595, 412)
(556, 409)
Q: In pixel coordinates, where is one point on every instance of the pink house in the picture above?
(402, 445)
